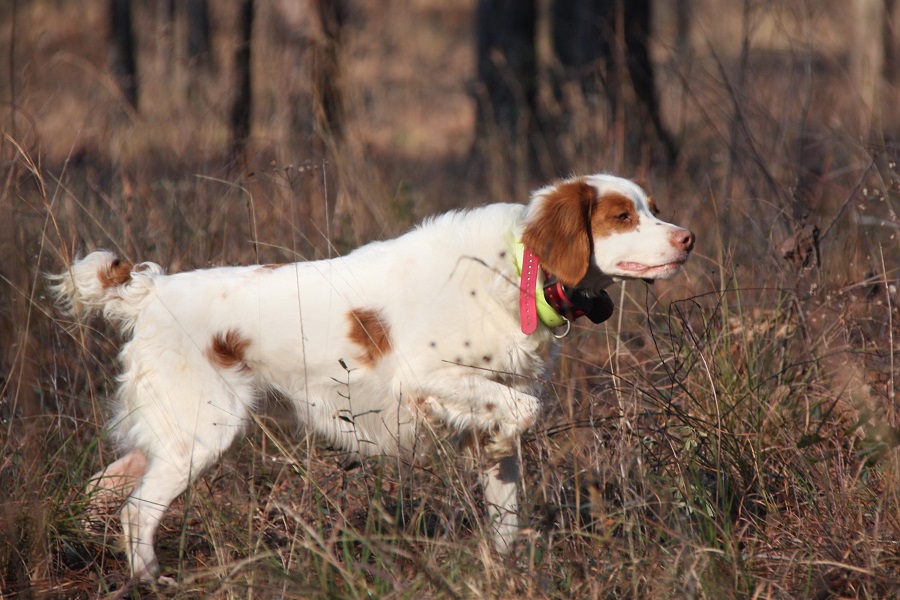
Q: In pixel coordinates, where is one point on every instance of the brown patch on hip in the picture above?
(370, 331)
(227, 350)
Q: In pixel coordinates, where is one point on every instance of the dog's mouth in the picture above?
(642, 271)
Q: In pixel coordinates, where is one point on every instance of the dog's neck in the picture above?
(533, 304)
(594, 281)
(554, 304)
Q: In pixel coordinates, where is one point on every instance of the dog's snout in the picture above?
(683, 239)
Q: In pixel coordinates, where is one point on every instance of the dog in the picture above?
(442, 332)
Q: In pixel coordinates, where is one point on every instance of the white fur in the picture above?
(458, 362)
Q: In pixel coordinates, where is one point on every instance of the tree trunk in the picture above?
(199, 50)
(583, 33)
(243, 100)
(327, 99)
(638, 22)
(601, 44)
(890, 70)
(507, 66)
(121, 50)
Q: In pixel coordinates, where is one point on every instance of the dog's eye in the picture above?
(625, 216)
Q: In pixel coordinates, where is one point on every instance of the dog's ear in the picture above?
(556, 229)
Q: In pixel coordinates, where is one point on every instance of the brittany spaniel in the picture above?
(438, 334)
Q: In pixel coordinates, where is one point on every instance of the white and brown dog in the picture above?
(441, 329)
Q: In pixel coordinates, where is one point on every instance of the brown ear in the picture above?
(558, 231)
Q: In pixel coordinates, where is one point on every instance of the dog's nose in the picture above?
(683, 239)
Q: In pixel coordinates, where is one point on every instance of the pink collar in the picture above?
(548, 304)
(527, 288)
(552, 304)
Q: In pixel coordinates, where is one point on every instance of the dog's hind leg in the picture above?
(182, 425)
(166, 477)
(161, 484)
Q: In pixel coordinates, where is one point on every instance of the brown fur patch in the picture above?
(614, 213)
(653, 207)
(370, 331)
(107, 489)
(116, 274)
(227, 350)
(120, 477)
(558, 234)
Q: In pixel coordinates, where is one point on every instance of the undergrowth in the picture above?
(728, 434)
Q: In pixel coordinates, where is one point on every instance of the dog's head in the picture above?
(589, 231)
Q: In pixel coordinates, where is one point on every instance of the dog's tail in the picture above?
(102, 282)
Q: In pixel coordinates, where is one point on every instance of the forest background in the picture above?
(729, 433)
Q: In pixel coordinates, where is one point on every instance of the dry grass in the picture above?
(731, 433)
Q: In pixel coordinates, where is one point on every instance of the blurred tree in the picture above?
(121, 50)
(506, 93)
(874, 55)
(242, 106)
(891, 68)
(602, 44)
(184, 46)
(682, 29)
(199, 49)
(507, 65)
(326, 68)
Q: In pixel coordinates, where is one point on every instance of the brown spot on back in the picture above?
(614, 213)
(228, 349)
(116, 274)
(271, 267)
(370, 331)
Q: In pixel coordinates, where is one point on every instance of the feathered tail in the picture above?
(102, 282)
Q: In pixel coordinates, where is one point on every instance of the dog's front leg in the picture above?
(499, 480)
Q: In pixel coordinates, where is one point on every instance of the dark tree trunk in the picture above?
(891, 49)
(600, 43)
(583, 32)
(121, 50)
(198, 44)
(638, 22)
(243, 100)
(327, 98)
(682, 28)
(507, 66)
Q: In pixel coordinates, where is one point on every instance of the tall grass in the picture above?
(731, 433)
